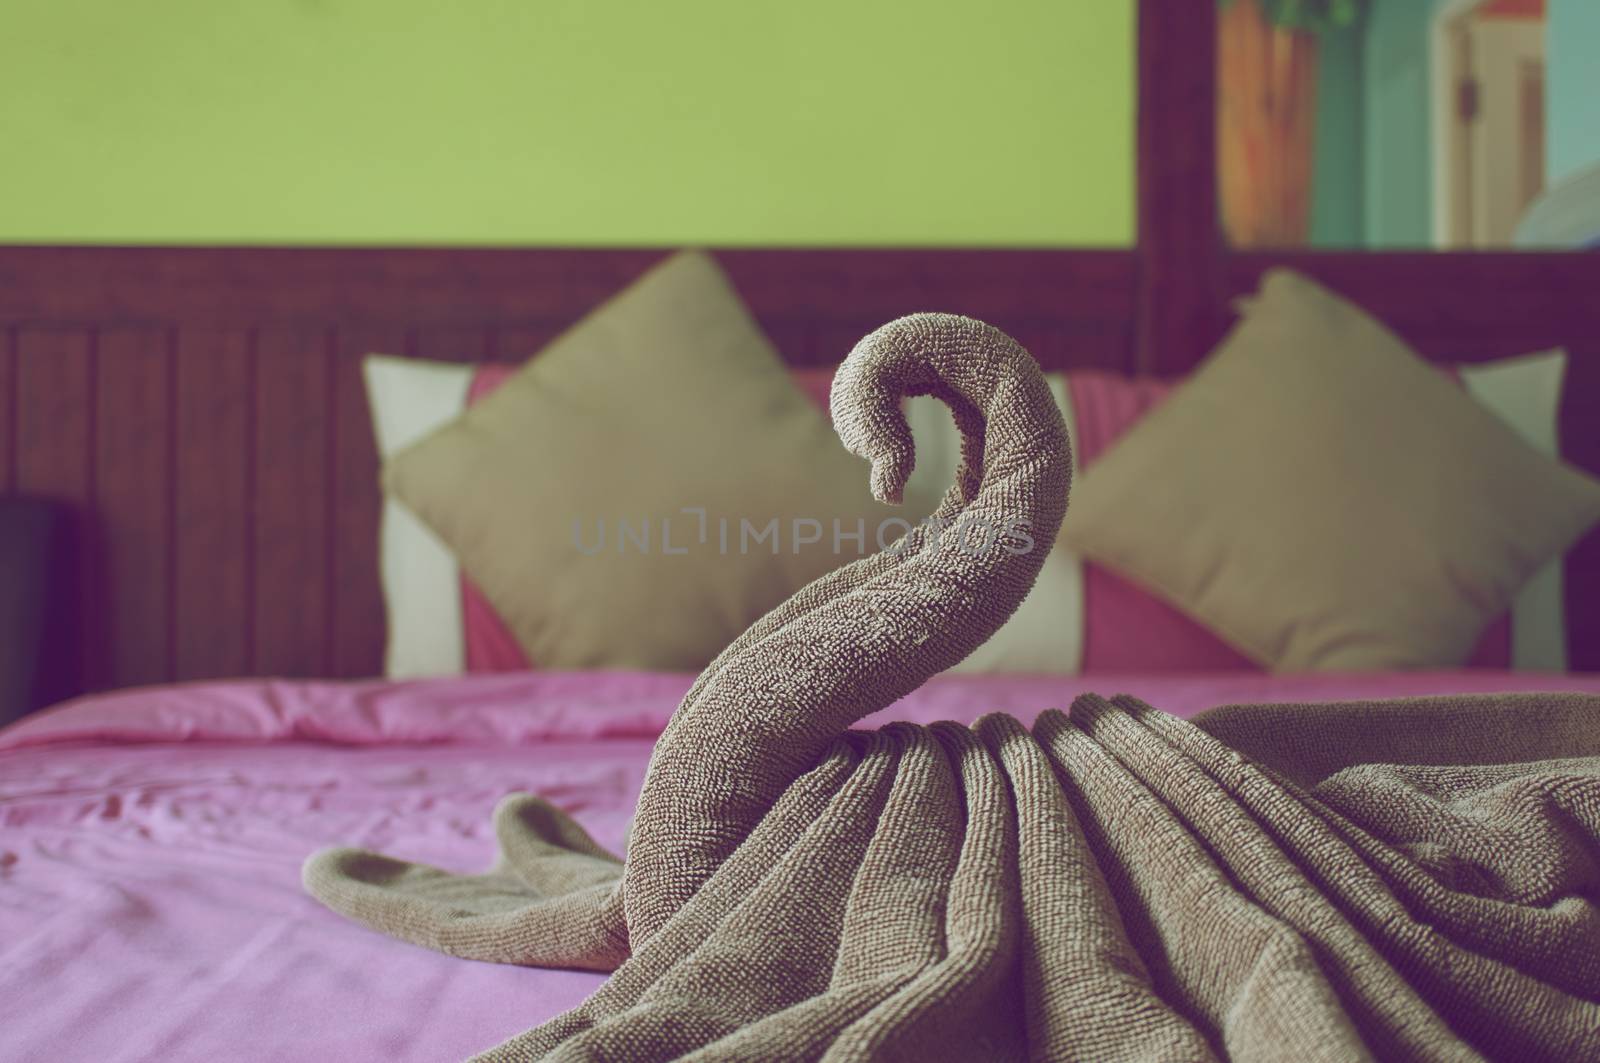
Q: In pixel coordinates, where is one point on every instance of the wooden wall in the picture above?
(203, 415)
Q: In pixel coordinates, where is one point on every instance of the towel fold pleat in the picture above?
(1402, 880)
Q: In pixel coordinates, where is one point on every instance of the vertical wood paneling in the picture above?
(55, 459)
(357, 607)
(1047, 344)
(213, 534)
(798, 343)
(1180, 261)
(450, 344)
(54, 424)
(1580, 444)
(293, 443)
(829, 344)
(133, 494)
(520, 342)
(8, 409)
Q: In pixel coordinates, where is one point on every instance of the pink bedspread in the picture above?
(150, 900)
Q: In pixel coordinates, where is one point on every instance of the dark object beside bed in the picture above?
(36, 646)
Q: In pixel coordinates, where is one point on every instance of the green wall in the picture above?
(1337, 180)
(568, 122)
(1572, 91)
(1399, 131)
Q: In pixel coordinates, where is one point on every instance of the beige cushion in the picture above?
(1322, 499)
(667, 398)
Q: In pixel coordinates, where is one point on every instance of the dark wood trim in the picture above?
(1451, 306)
(1580, 444)
(1178, 245)
(8, 408)
(202, 409)
(471, 287)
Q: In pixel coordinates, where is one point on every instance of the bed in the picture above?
(153, 842)
(202, 414)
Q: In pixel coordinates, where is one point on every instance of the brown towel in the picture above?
(1403, 880)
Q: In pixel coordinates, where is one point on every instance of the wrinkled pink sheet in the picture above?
(151, 841)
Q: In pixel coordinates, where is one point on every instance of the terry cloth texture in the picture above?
(1402, 880)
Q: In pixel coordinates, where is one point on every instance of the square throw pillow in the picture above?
(646, 486)
(1323, 499)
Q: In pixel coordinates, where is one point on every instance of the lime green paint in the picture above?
(651, 122)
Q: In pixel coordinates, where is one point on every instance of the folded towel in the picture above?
(1400, 880)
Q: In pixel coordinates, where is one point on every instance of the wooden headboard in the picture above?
(201, 409)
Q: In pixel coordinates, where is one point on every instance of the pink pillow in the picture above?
(1126, 630)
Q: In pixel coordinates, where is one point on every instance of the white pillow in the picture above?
(421, 583)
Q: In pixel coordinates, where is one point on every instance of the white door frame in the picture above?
(1492, 178)
(1442, 105)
